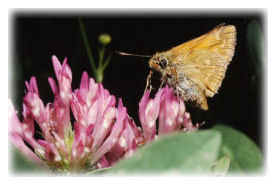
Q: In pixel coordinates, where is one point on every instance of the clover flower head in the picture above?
(100, 135)
(168, 109)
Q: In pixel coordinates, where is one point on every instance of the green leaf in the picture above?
(255, 43)
(20, 164)
(245, 156)
(193, 152)
(221, 166)
(98, 171)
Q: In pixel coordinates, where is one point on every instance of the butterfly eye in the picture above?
(163, 62)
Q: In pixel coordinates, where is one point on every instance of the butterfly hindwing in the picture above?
(207, 70)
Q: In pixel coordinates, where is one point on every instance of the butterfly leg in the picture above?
(162, 82)
(175, 82)
(179, 92)
(148, 84)
(175, 76)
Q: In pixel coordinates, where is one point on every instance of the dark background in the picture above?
(36, 37)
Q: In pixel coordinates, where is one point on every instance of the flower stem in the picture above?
(101, 56)
(107, 61)
(87, 47)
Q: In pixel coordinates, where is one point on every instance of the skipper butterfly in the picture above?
(195, 69)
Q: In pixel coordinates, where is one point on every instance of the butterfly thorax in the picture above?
(165, 64)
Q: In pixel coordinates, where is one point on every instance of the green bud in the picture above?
(104, 39)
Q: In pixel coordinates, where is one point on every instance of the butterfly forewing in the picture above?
(204, 60)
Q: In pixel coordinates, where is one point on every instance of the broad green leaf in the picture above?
(221, 166)
(189, 153)
(99, 171)
(245, 156)
(255, 43)
(255, 40)
(20, 164)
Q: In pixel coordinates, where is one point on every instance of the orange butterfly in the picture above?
(196, 68)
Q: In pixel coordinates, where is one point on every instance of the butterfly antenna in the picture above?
(134, 55)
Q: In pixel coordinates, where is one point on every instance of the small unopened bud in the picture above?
(104, 39)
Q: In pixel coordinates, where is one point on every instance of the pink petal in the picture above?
(116, 131)
(14, 123)
(93, 91)
(168, 112)
(15, 132)
(33, 85)
(103, 127)
(18, 142)
(53, 86)
(84, 81)
(51, 153)
(180, 117)
(105, 116)
(148, 112)
(57, 66)
(27, 85)
(102, 163)
(187, 123)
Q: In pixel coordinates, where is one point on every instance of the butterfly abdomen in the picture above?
(190, 92)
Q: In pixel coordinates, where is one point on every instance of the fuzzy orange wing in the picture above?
(205, 59)
(221, 40)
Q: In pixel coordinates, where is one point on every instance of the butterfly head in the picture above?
(158, 62)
